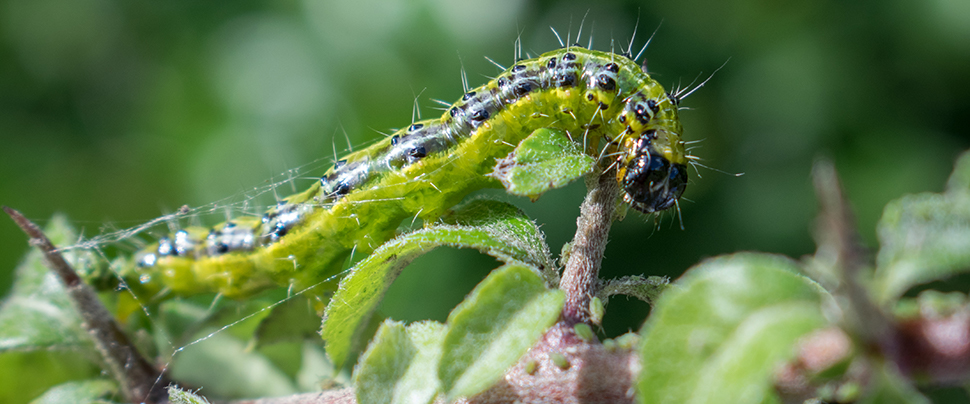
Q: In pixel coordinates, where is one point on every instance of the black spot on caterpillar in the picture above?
(605, 101)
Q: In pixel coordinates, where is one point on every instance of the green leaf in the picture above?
(38, 314)
(718, 336)
(498, 322)
(400, 365)
(292, 320)
(179, 396)
(647, 289)
(220, 362)
(545, 160)
(496, 228)
(25, 375)
(924, 238)
(316, 372)
(82, 392)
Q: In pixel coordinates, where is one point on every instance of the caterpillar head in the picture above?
(650, 180)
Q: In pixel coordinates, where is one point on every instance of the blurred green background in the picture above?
(115, 112)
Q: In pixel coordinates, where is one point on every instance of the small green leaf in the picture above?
(584, 332)
(494, 327)
(559, 360)
(924, 238)
(647, 289)
(494, 227)
(179, 396)
(82, 392)
(38, 314)
(717, 336)
(545, 160)
(596, 310)
(399, 366)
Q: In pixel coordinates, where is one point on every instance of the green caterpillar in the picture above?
(424, 169)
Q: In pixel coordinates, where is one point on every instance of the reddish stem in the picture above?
(581, 277)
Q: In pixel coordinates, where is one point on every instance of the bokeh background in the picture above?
(115, 112)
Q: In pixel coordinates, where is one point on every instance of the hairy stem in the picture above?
(580, 277)
(135, 375)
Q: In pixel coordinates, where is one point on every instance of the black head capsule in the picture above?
(651, 182)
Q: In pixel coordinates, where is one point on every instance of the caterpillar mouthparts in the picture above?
(650, 181)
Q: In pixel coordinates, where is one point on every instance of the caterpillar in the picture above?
(605, 101)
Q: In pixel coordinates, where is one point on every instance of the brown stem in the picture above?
(580, 278)
(838, 238)
(136, 376)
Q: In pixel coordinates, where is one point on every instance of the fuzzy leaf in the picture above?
(496, 228)
(492, 328)
(82, 392)
(718, 336)
(924, 238)
(179, 396)
(294, 319)
(545, 160)
(400, 365)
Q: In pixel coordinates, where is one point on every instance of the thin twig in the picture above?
(581, 276)
(134, 373)
(837, 233)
